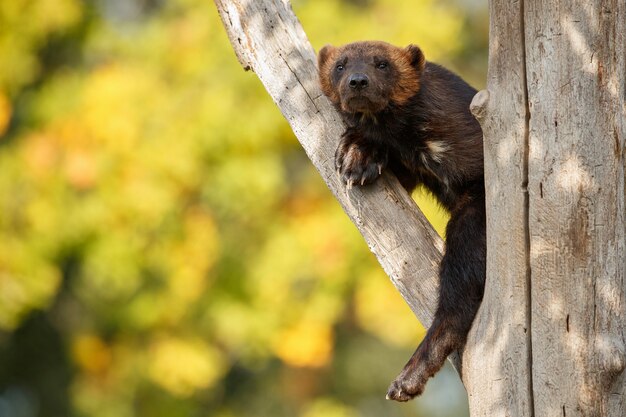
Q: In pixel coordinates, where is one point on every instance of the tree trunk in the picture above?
(497, 359)
(576, 60)
(550, 337)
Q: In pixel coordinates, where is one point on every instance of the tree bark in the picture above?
(576, 65)
(550, 337)
(554, 126)
(497, 359)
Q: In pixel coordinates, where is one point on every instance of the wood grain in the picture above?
(576, 64)
(497, 361)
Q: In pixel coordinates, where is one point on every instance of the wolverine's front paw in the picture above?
(358, 163)
(406, 386)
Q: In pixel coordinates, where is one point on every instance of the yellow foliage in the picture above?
(244, 329)
(183, 366)
(26, 282)
(40, 154)
(24, 26)
(5, 113)
(81, 169)
(52, 14)
(114, 104)
(328, 407)
(112, 269)
(91, 353)
(399, 22)
(190, 260)
(307, 344)
(433, 211)
(381, 310)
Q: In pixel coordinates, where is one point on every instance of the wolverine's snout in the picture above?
(358, 81)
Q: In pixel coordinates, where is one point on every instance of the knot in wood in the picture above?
(478, 106)
(611, 355)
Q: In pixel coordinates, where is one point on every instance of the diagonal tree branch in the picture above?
(269, 40)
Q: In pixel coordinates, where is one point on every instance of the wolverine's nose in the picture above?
(358, 81)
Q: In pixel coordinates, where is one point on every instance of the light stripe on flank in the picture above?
(437, 149)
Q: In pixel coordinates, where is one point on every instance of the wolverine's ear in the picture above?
(416, 56)
(324, 54)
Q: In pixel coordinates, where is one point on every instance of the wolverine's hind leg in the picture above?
(462, 280)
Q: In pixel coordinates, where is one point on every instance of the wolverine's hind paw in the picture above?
(406, 387)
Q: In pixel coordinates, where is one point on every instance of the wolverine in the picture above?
(411, 117)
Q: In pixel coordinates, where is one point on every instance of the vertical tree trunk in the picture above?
(497, 359)
(554, 123)
(576, 93)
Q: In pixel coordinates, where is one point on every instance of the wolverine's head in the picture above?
(365, 77)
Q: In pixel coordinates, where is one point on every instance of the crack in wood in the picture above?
(527, 115)
(306, 91)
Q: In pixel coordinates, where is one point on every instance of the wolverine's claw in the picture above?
(399, 390)
(357, 163)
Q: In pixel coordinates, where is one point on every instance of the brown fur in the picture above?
(325, 60)
(408, 62)
(412, 117)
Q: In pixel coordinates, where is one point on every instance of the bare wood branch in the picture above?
(269, 40)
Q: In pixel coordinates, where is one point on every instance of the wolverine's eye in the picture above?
(339, 67)
(382, 65)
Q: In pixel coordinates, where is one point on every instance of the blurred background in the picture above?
(166, 248)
